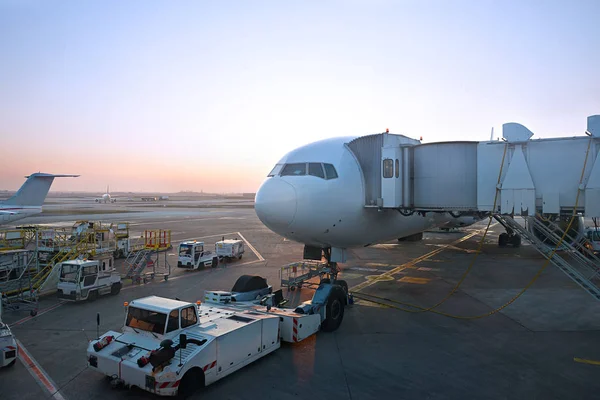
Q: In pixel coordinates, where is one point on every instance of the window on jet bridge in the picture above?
(388, 168)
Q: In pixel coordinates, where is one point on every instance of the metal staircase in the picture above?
(136, 263)
(68, 253)
(573, 257)
(18, 294)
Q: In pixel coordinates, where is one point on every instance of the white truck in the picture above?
(171, 347)
(229, 249)
(193, 256)
(81, 280)
(8, 345)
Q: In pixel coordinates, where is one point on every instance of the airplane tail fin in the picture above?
(34, 190)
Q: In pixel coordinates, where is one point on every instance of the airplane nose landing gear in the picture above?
(511, 238)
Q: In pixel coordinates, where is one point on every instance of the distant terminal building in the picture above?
(249, 195)
(149, 199)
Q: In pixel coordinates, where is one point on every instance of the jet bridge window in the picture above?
(397, 168)
(330, 172)
(315, 169)
(188, 317)
(388, 168)
(296, 169)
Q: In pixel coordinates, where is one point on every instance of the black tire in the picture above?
(115, 288)
(93, 295)
(334, 310)
(190, 383)
(240, 256)
(344, 285)
(215, 262)
(516, 240)
(503, 239)
(12, 363)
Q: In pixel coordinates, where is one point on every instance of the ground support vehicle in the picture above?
(193, 256)
(81, 280)
(8, 345)
(229, 249)
(170, 347)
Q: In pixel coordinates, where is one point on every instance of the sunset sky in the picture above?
(196, 95)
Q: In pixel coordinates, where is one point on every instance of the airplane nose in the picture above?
(275, 204)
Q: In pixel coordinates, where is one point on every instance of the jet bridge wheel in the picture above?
(334, 309)
(190, 383)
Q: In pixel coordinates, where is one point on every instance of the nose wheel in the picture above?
(506, 239)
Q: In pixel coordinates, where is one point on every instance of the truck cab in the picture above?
(593, 236)
(87, 279)
(159, 317)
(192, 255)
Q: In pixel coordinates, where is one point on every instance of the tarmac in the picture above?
(543, 345)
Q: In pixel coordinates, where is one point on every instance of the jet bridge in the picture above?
(532, 175)
(542, 180)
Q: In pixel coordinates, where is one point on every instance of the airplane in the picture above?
(106, 198)
(29, 198)
(314, 195)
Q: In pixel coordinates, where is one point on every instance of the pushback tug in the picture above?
(171, 347)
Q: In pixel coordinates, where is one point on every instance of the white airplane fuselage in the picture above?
(331, 212)
(11, 214)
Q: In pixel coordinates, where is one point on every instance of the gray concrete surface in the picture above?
(525, 351)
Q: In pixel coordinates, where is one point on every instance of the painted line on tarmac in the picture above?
(36, 371)
(251, 247)
(387, 275)
(584, 361)
(22, 321)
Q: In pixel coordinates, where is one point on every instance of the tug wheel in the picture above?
(191, 382)
(334, 310)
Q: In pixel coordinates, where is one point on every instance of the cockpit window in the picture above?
(294, 169)
(275, 171)
(330, 172)
(315, 169)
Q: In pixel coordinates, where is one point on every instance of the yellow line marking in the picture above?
(412, 279)
(584, 361)
(411, 264)
(378, 278)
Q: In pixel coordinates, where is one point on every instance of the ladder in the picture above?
(18, 294)
(136, 263)
(574, 260)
